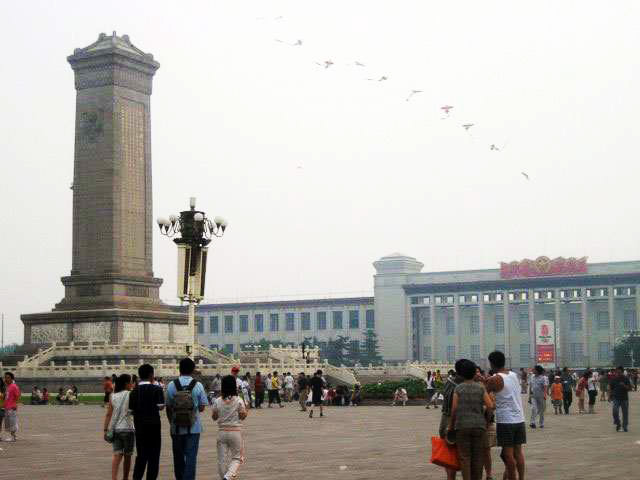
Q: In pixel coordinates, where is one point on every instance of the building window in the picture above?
(630, 321)
(354, 319)
(450, 299)
(228, 324)
(500, 348)
(499, 324)
(512, 296)
(274, 322)
(525, 353)
(370, 318)
(290, 324)
(426, 353)
(438, 300)
(499, 297)
(305, 321)
(474, 325)
(244, 323)
(200, 323)
(603, 321)
(451, 353)
(575, 352)
(228, 349)
(604, 352)
(321, 319)
(575, 321)
(259, 320)
(462, 299)
(475, 352)
(450, 326)
(426, 325)
(420, 300)
(486, 297)
(523, 322)
(213, 325)
(336, 320)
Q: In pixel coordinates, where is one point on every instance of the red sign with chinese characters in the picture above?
(545, 354)
(543, 266)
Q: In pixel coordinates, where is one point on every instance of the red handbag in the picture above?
(443, 454)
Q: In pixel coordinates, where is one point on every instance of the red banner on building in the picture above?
(543, 266)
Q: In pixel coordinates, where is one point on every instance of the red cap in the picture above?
(235, 369)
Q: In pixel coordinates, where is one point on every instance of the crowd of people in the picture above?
(481, 411)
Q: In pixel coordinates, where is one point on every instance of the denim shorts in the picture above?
(123, 443)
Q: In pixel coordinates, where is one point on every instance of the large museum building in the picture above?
(557, 312)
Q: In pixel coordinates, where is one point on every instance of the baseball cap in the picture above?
(235, 369)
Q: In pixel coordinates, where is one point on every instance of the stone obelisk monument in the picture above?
(111, 294)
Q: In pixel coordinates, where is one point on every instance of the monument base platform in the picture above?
(109, 325)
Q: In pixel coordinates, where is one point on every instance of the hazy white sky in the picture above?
(235, 113)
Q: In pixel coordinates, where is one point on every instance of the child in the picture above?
(556, 395)
(229, 411)
(400, 395)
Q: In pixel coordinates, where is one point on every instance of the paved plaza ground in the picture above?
(375, 442)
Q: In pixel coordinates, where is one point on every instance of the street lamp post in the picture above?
(196, 232)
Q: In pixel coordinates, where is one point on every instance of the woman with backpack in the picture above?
(118, 427)
(229, 411)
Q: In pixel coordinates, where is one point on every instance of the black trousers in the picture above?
(274, 397)
(259, 399)
(148, 442)
(567, 399)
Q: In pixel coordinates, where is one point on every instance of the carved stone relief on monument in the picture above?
(133, 331)
(158, 332)
(92, 332)
(181, 334)
(92, 125)
(56, 332)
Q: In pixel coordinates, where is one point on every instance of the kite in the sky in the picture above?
(413, 92)
(467, 126)
(493, 146)
(446, 109)
(381, 79)
(325, 64)
(525, 175)
(358, 64)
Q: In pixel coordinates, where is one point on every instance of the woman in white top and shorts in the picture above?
(118, 422)
(229, 411)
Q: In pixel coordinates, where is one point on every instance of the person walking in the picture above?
(430, 388)
(118, 425)
(581, 391)
(592, 391)
(3, 392)
(568, 383)
(258, 389)
(619, 387)
(538, 396)
(229, 411)
(303, 391)
(556, 395)
(448, 390)
(11, 399)
(274, 393)
(250, 390)
(107, 387)
(288, 387)
(524, 376)
(216, 386)
(186, 399)
(510, 422)
(317, 386)
(470, 399)
(603, 378)
(145, 402)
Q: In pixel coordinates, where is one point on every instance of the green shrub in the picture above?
(384, 391)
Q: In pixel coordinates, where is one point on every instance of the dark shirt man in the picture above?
(145, 402)
(568, 384)
(303, 393)
(317, 386)
(619, 387)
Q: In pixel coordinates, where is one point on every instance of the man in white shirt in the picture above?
(510, 424)
(288, 387)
